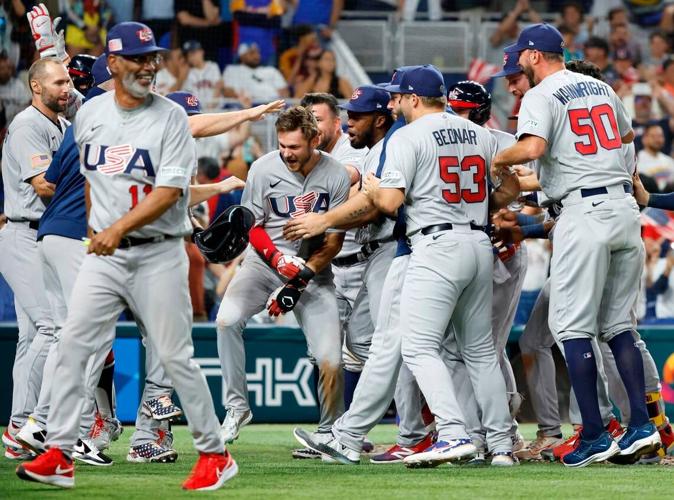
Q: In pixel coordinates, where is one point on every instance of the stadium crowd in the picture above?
(233, 54)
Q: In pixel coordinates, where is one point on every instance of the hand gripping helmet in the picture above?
(79, 69)
(471, 95)
(227, 236)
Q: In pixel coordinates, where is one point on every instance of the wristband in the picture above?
(534, 231)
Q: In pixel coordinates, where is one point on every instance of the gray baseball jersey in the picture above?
(345, 154)
(442, 161)
(583, 125)
(383, 228)
(126, 154)
(275, 194)
(31, 141)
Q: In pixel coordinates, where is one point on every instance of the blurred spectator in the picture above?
(626, 71)
(173, 74)
(652, 161)
(509, 29)
(658, 51)
(259, 83)
(407, 10)
(159, 16)
(123, 11)
(573, 18)
(322, 13)
(258, 21)
(200, 20)
(325, 79)
(649, 13)
(88, 23)
(654, 285)
(572, 50)
(643, 115)
(668, 76)
(597, 52)
(621, 39)
(292, 62)
(14, 96)
(203, 79)
(15, 37)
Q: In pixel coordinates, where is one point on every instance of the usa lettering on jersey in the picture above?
(113, 160)
(294, 206)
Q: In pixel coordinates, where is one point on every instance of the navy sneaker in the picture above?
(637, 442)
(587, 452)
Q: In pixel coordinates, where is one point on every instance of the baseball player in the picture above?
(348, 265)
(597, 234)
(32, 138)
(369, 126)
(384, 376)
(137, 155)
(472, 101)
(282, 184)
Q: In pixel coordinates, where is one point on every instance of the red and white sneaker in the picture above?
(567, 446)
(615, 429)
(396, 453)
(211, 471)
(52, 467)
(13, 454)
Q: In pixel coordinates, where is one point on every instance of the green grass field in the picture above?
(268, 471)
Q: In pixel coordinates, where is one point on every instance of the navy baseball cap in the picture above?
(188, 101)
(131, 39)
(100, 70)
(424, 81)
(510, 64)
(397, 75)
(368, 99)
(541, 36)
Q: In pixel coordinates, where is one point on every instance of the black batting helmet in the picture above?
(471, 95)
(227, 236)
(79, 69)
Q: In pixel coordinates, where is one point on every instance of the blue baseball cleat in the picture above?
(637, 442)
(587, 452)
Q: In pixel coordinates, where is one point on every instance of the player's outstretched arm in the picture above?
(202, 192)
(528, 148)
(322, 257)
(386, 200)
(148, 210)
(355, 212)
(209, 124)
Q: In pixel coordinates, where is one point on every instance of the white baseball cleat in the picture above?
(455, 451)
(331, 449)
(32, 436)
(85, 451)
(234, 421)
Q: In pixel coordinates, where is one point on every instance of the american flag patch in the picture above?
(40, 160)
(304, 203)
(115, 44)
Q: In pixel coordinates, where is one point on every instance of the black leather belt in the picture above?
(131, 241)
(33, 224)
(446, 227)
(586, 192)
(360, 256)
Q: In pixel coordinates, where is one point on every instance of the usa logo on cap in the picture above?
(192, 100)
(505, 58)
(144, 35)
(356, 94)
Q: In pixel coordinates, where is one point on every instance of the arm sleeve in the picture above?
(177, 158)
(400, 163)
(31, 149)
(535, 117)
(252, 194)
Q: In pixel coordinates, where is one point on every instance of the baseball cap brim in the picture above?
(506, 73)
(393, 89)
(140, 50)
(355, 109)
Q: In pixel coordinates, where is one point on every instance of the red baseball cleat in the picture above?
(567, 446)
(396, 453)
(211, 471)
(52, 467)
(615, 429)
